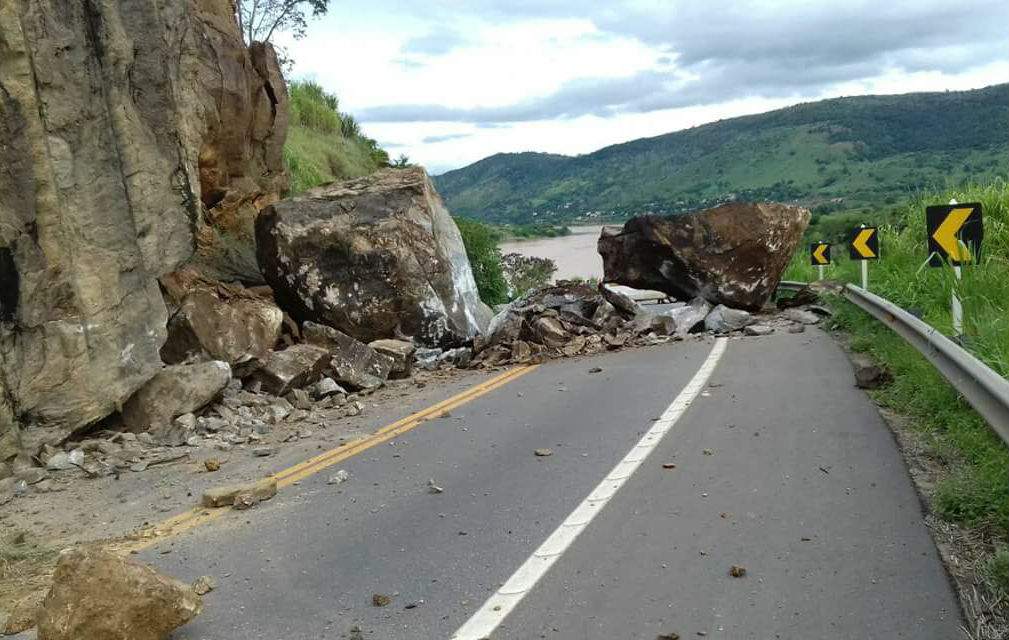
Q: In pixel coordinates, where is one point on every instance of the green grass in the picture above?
(975, 491)
(324, 144)
(998, 570)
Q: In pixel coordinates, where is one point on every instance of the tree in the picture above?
(485, 260)
(524, 273)
(402, 161)
(262, 19)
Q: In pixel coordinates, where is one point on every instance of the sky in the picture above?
(448, 82)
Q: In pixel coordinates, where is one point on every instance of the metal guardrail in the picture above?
(792, 285)
(983, 388)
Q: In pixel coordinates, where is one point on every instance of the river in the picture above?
(575, 255)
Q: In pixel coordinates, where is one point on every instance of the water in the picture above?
(575, 255)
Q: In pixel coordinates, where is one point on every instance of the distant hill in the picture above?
(851, 154)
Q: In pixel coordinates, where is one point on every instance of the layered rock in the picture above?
(132, 135)
(375, 258)
(97, 594)
(733, 254)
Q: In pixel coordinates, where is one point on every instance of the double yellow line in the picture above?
(286, 477)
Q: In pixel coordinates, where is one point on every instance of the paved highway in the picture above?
(669, 466)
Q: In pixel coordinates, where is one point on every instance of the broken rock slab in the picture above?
(690, 316)
(213, 320)
(373, 256)
(99, 595)
(401, 353)
(733, 254)
(225, 496)
(174, 391)
(868, 374)
(758, 330)
(352, 362)
(723, 319)
(295, 367)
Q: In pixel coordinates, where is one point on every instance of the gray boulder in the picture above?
(401, 353)
(722, 319)
(352, 362)
(801, 316)
(175, 390)
(371, 257)
(297, 366)
(689, 316)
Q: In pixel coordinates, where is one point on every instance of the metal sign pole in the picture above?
(819, 268)
(865, 274)
(956, 309)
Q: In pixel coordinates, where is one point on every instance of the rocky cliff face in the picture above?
(134, 137)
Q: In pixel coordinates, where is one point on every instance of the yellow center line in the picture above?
(199, 515)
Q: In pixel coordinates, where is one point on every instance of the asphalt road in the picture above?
(781, 467)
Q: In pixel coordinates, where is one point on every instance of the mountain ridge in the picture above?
(839, 153)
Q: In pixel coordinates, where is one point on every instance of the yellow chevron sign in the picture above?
(954, 233)
(819, 253)
(864, 244)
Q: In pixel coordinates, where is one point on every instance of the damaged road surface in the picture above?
(776, 506)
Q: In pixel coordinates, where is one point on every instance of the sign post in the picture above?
(819, 256)
(864, 246)
(955, 232)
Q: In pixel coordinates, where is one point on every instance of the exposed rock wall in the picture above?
(132, 134)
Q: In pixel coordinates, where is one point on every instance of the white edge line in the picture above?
(493, 612)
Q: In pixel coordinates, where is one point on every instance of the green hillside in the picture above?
(324, 144)
(852, 154)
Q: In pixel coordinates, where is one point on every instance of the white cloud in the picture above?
(452, 82)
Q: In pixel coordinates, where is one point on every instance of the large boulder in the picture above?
(733, 254)
(373, 257)
(174, 391)
(217, 321)
(132, 135)
(99, 595)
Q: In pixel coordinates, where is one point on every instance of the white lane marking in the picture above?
(499, 605)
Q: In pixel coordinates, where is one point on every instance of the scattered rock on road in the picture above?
(797, 328)
(99, 595)
(737, 571)
(380, 600)
(225, 496)
(868, 374)
(723, 319)
(204, 585)
(339, 477)
(212, 464)
(544, 452)
(433, 487)
(801, 316)
(758, 330)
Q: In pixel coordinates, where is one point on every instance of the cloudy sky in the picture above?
(449, 82)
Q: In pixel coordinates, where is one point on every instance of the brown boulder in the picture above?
(217, 321)
(733, 254)
(375, 257)
(100, 596)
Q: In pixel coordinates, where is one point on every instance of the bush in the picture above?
(485, 259)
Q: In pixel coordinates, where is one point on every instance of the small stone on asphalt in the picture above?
(544, 452)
